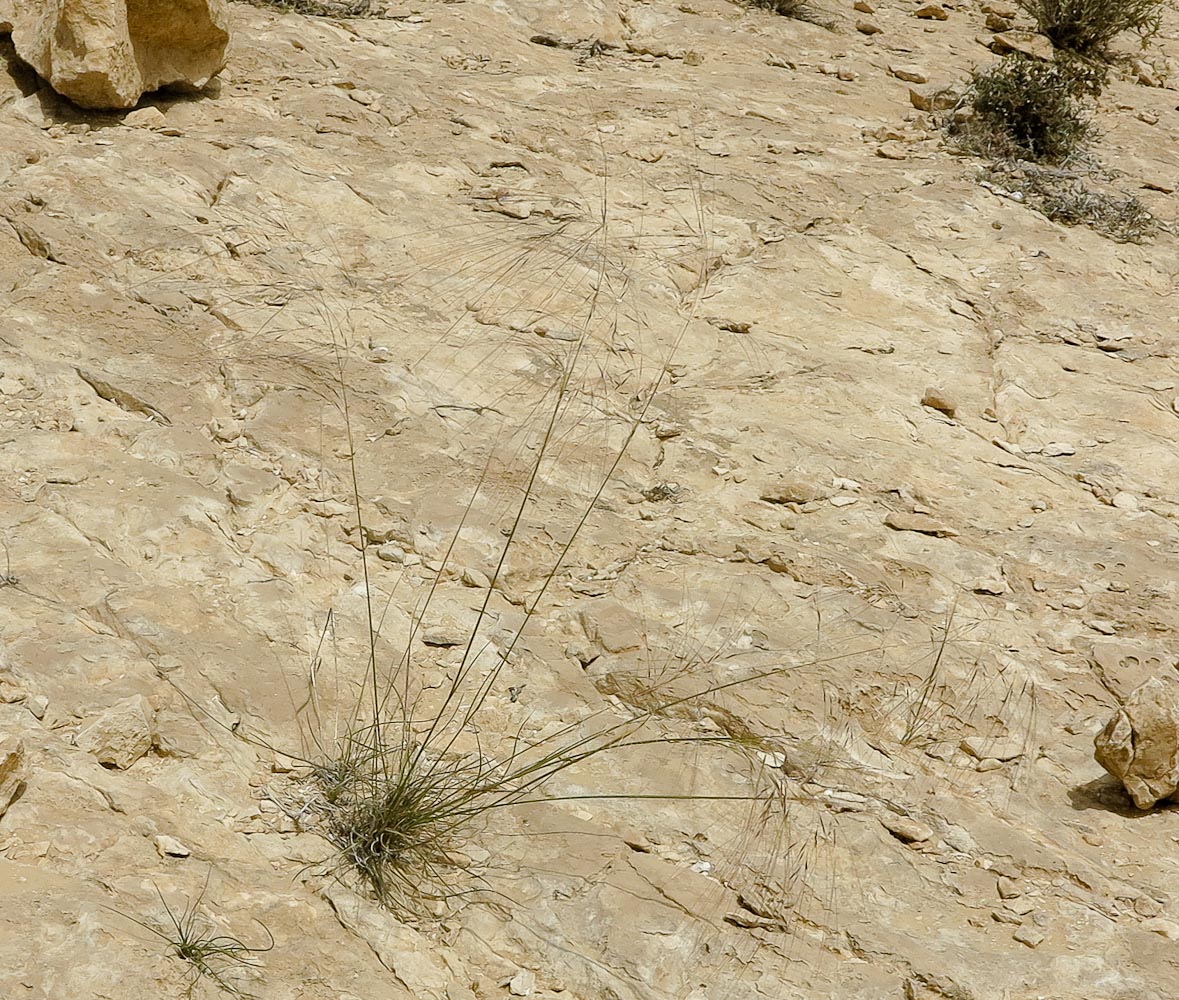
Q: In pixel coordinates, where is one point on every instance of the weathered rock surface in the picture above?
(402, 950)
(1140, 745)
(108, 53)
(121, 734)
(481, 218)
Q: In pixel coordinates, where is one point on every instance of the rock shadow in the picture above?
(21, 76)
(1107, 794)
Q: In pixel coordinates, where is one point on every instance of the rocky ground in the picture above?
(901, 470)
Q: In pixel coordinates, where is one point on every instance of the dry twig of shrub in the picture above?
(1087, 27)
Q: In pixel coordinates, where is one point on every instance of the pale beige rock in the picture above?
(1161, 925)
(446, 633)
(905, 828)
(208, 564)
(1008, 888)
(933, 99)
(1140, 744)
(909, 73)
(938, 399)
(612, 626)
(145, 118)
(1146, 74)
(1026, 43)
(108, 53)
(405, 952)
(170, 847)
(981, 748)
(1029, 936)
(120, 735)
(523, 983)
(921, 523)
(793, 488)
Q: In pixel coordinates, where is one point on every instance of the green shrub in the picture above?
(1027, 109)
(319, 8)
(800, 10)
(1088, 26)
(787, 8)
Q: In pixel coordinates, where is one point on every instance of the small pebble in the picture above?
(169, 847)
(937, 399)
(523, 983)
(475, 578)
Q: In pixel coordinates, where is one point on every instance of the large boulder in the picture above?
(108, 53)
(1140, 745)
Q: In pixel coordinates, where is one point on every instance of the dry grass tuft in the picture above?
(219, 958)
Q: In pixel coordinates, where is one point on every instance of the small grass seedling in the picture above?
(209, 955)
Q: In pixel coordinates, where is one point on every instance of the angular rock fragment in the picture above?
(909, 73)
(612, 626)
(933, 98)
(1140, 745)
(937, 399)
(170, 847)
(921, 523)
(794, 489)
(121, 735)
(1026, 43)
(905, 828)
